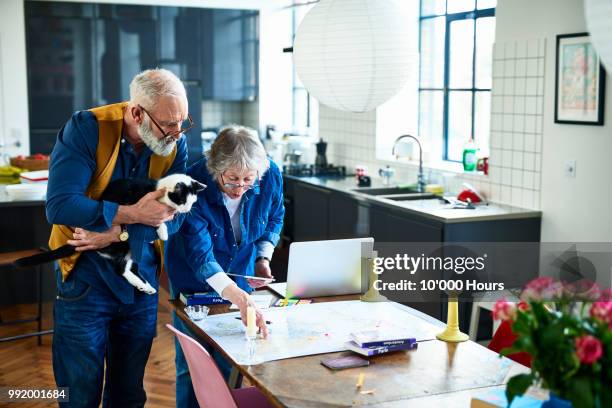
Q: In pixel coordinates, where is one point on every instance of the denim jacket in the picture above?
(205, 243)
(73, 163)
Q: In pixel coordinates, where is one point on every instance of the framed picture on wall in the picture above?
(580, 81)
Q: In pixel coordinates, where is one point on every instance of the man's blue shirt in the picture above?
(205, 243)
(72, 165)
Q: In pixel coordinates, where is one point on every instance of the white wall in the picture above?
(13, 79)
(275, 68)
(574, 209)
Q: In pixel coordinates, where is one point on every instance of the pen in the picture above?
(250, 277)
(267, 321)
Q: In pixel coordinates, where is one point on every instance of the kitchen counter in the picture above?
(430, 208)
(5, 200)
(23, 226)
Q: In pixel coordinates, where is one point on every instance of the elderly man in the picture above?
(99, 317)
(233, 227)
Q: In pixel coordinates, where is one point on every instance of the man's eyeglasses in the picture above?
(185, 126)
(235, 186)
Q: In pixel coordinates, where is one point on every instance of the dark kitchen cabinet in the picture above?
(82, 55)
(230, 54)
(311, 212)
(124, 46)
(389, 226)
(348, 218)
(60, 67)
(315, 213)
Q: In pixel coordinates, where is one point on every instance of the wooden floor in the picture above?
(25, 364)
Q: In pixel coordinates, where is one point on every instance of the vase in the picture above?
(554, 401)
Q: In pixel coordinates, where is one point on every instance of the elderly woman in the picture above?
(233, 227)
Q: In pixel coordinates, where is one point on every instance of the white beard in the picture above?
(157, 146)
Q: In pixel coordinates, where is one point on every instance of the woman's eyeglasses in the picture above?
(235, 186)
(169, 137)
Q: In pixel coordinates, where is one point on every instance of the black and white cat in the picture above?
(181, 193)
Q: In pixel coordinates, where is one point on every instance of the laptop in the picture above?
(325, 268)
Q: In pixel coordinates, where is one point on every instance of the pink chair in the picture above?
(209, 386)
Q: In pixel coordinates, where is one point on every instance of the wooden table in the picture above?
(438, 374)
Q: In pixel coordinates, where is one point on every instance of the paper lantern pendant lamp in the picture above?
(598, 15)
(354, 55)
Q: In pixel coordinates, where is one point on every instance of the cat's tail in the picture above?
(45, 257)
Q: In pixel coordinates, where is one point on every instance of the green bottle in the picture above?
(469, 156)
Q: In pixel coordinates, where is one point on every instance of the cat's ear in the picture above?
(197, 186)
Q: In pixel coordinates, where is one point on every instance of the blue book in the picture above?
(201, 298)
(380, 338)
(374, 351)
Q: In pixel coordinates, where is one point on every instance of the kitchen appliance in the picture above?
(293, 158)
(309, 170)
(302, 144)
(321, 159)
(386, 174)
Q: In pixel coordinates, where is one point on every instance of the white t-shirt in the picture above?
(233, 208)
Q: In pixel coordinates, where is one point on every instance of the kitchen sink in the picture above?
(412, 196)
(377, 191)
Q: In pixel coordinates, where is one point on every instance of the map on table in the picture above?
(313, 329)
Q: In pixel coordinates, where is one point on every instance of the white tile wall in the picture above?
(217, 113)
(516, 115)
(516, 132)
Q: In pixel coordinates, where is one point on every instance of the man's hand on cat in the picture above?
(85, 240)
(146, 211)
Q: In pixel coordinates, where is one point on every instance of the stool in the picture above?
(477, 305)
(7, 259)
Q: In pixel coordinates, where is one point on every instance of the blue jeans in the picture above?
(185, 396)
(92, 327)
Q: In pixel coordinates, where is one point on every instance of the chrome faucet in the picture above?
(421, 177)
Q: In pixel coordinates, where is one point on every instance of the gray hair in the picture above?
(237, 147)
(148, 86)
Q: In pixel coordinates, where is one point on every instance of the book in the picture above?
(497, 399)
(380, 338)
(341, 363)
(201, 298)
(374, 351)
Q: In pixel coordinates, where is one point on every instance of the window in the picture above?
(456, 45)
(305, 111)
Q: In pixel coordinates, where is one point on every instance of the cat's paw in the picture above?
(162, 232)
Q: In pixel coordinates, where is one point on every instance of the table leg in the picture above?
(235, 378)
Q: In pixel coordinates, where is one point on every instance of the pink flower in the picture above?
(541, 289)
(606, 295)
(503, 310)
(588, 349)
(602, 311)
